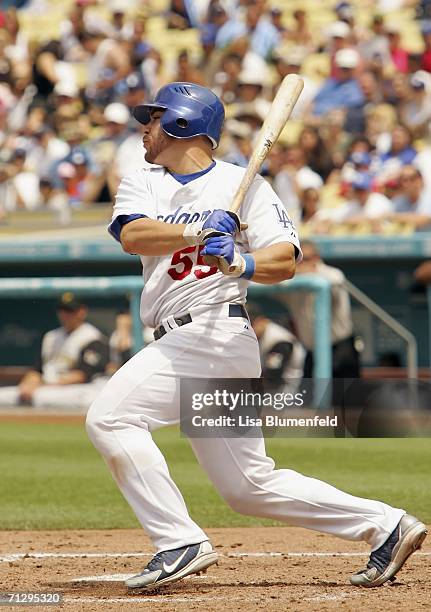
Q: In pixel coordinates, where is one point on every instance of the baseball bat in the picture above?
(279, 113)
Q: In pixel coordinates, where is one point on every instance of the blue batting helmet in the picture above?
(190, 110)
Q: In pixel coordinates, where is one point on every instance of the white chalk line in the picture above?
(84, 555)
(122, 577)
(328, 597)
(135, 600)
(105, 555)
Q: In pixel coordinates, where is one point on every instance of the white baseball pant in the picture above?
(144, 395)
(66, 397)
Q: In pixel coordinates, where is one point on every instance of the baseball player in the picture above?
(172, 216)
(71, 365)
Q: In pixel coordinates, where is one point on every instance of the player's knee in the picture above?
(95, 424)
(241, 496)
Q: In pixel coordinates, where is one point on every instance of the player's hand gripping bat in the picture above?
(279, 113)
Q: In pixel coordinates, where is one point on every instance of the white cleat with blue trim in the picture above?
(171, 565)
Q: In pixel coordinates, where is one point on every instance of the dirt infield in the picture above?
(261, 568)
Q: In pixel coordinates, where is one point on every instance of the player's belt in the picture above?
(235, 310)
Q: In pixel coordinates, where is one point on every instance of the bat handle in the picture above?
(210, 260)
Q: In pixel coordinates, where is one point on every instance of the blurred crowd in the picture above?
(353, 159)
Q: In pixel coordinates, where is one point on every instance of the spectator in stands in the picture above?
(121, 27)
(138, 47)
(363, 203)
(241, 144)
(416, 112)
(426, 54)
(48, 68)
(129, 158)
(263, 35)
(107, 66)
(339, 37)
(422, 160)
(226, 79)
(295, 177)
(343, 92)
(186, 71)
(135, 92)
(399, 56)
(356, 116)
(413, 204)
(71, 358)
(290, 61)
(215, 19)
(81, 179)
(297, 162)
(317, 155)
(17, 50)
(250, 92)
(310, 207)
(401, 153)
(376, 43)
(358, 162)
(19, 186)
(64, 104)
(276, 16)
(55, 200)
(345, 357)
(181, 15)
(281, 354)
(300, 34)
(70, 33)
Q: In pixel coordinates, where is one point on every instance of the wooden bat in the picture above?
(279, 113)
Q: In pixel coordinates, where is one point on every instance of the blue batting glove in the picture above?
(230, 261)
(222, 221)
(222, 247)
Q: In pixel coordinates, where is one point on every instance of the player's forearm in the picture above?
(152, 238)
(74, 377)
(417, 220)
(274, 264)
(32, 377)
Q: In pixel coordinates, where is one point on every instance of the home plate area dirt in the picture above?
(271, 569)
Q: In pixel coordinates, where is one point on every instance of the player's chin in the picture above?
(149, 157)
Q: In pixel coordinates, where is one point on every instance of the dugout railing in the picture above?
(29, 288)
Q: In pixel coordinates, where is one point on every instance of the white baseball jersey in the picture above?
(60, 350)
(178, 282)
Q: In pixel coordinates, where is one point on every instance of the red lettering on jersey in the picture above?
(182, 258)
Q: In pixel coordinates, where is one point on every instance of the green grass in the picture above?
(52, 478)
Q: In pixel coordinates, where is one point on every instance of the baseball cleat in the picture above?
(387, 560)
(171, 565)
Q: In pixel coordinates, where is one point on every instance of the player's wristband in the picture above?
(250, 266)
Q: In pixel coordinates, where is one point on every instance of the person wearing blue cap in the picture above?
(363, 203)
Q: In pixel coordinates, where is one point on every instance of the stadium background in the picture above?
(53, 479)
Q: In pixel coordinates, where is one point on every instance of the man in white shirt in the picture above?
(72, 356)
(345, 357)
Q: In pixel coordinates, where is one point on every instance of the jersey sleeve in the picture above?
(133, 201)
(276, 361)
(93, 359)
(268, 220)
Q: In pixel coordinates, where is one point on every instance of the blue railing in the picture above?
(132, 286)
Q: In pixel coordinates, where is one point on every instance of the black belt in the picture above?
(235, 310)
